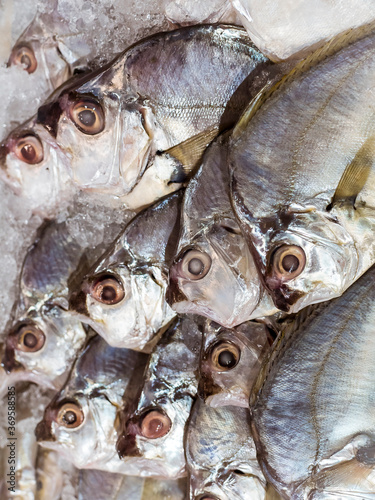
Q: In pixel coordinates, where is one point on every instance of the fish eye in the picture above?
(288, 262)
(88, 116)
(108, 289)
(30, 338)
(24, 56)
(155, 424)
(225, 356)
(29, 149)
(70, 415)
(195, 265)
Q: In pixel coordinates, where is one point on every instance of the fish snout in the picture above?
(174, 294)
(43, 431)
(78, 299)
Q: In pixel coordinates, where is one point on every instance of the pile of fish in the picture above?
(223, 345)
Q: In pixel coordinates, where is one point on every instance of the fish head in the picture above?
(230, 362)
(96, 116)
(126, 306)
(309, 258)
(79, 427)
(155, 433)
(221, 455)
(33, 166)
(44, 344)
(214, 275)
(40, 52)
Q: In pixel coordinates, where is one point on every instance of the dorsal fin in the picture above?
(356, 172)
(331, 47)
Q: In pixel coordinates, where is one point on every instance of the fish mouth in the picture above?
(43, 432)
(78, 301)
(174, 295)
(126, 445)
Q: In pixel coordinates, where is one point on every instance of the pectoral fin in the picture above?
(356, 173)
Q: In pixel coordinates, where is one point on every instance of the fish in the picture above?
(134, 119)
(49, 474)
(213, 273)
(312, 407)
(230, 362)
(81, 421)
(306, 207)
(283, 32)
(220, 455)
(53, 55)
(123, 296)
(153, 429)
(43, 338)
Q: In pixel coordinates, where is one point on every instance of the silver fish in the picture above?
(154, 428)
(220, 455)
(44, 338)
(50, 470)
(214, 273)
(81, 421)
(131, 118)
(302, 177)
(313, 407)
(230, 362)
(123, 296)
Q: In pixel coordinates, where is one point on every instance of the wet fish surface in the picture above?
(43, 338)
(220, 455)
(132, 118)
(313, 410)
(154, 429)
(123, 296)
(230, 362)
(301, 164)
(80, 422)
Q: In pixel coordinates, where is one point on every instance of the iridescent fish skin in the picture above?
(307, 206)
(133, 276)
(154, 428)
(130, 117)
(228, 289)
(230, 362)
(313, 408)
(81, 421)
(44, 338)
(221, 456)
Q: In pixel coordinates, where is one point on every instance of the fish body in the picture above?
(302, 174)
(123, 296)
(131, 117)
(44, 338)
(226, 285)
(220, 455)
(81, 421)
(230, 362)
(164, 404)
(313, 410)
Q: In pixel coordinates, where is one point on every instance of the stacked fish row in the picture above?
(256, 183)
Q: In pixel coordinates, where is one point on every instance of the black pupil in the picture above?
(25, 59)
(227, 359)
(87, 117)
(70, 417)
(28, 152)
(109, 293)
(30, 340)
(290, 263)
(196, 266)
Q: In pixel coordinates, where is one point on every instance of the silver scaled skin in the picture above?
(313, 410)
(308, 221)
(44, 338)
(123, 296)
(158, 93)
(154, 430)
(220, 455)
(81, 421)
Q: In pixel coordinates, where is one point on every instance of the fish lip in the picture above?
(126, 445)
(174, 294)
(78, 300)
(9, 361)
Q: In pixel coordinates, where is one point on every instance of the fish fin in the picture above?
(356, 173)
(336, 43)
(190, 152)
